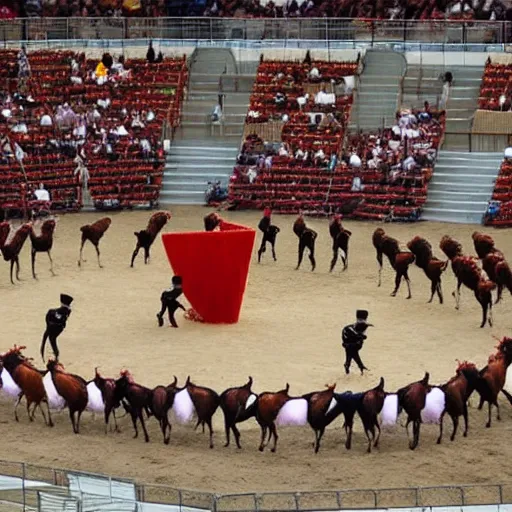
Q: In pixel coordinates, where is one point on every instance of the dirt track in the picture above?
(289, 332)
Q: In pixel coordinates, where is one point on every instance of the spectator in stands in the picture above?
(150, 55)
(357, 184)
(41, 194)
(508, 153)
(23, 65)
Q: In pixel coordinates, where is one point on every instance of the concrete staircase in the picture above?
(203, 151)
(461, 186)
(376, 100)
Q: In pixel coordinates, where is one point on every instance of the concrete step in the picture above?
(456, 196)
(181, 197)
(475, 154)
(451, 215)
(463, 177)
(459, 204)
(488, 172)
(470, 188)
(200, 174)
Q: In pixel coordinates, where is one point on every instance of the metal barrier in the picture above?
(24, 495)
(371, 32)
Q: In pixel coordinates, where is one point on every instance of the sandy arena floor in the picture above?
(289, 332)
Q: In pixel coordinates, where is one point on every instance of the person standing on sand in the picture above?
(170, 303)
(56, 320)
(353, 336)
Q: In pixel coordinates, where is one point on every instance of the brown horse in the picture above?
(162, 398)
(135, 398)
(371, 406)
(319, 403)
(11, 251)
(107, 388)
(72, 388)
(30, 381)
(42, 243)
(146, 237)
(238, 404)
(431, 266)
(412, 400)
(399, 260)
(94, 233)
(340, 238)
(458, 390)
(493, 376)
(307, 238)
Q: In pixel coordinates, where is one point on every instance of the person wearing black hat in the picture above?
(169, 302)
(55, 323)
(353, 336)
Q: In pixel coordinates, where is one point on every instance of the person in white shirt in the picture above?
(46, 120)
(42, 194)
(508, 152)
(355, 161)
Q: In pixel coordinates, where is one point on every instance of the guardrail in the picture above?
(272, 29)
(24, 496)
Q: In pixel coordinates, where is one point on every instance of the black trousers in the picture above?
(171, 307)
(352, 354)
(52, 332)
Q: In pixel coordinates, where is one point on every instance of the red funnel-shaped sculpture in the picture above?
(214, 266)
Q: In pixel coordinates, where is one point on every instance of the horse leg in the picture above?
(133, 414)
(227, 429)
(80, 258)
(146, 255)
(465, 415)
(79, 415)
(488, 424)
(440, 438)
(30, 417)
(416, 434)
(439, 292)
(12, 267)
(348, 432)
(484, 314)
(72, 416)
(433, 288)
(21, 395)
(498, 417)
(377, 426)
(490, 319)
(141, 418)
(456, 294)
(17, 262)
(98, 255)
(455, 420)
(135, 252)
(51, 262)
(302, 247)
(273, 430)
(345, 259)
(262, 442)
(379, 261)
(236, 433)
(209, 423)
(408, 282)
(319, 434)
(370, 436)
(33, 259)
(50, 421)
(398, 280)
(334, 259)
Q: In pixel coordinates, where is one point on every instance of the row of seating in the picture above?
(495, 89)
(503, 195)
(115, 127)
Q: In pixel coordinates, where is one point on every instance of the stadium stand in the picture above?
(500, 211)
(495, 90)
(295, 157)
(66, 126)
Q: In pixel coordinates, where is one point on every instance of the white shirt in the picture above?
(42, 194)
(508, 152)
(46, 120)
(355, 161)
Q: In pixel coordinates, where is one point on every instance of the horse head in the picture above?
(173, 384)
(248, 386)
(330, 387)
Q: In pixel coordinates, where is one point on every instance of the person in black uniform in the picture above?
(169, 302)
(353, 336)
(55, 323)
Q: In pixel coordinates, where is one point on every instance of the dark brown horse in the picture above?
(72, 388)
(42, 243)
(340, 238)
(238, 404)
(11, 250)
(29, 380)
(399, 260)
(135, 398)
(195, 401)
(371, 406)
(107, 387)
(146, 237)
(493, 377)
(458, 390)
(162, 398)
(94, 233)
(412, 400)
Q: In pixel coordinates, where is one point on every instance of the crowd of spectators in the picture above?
(79, 125)
(315, 168)
(379, 9)
(496, 87)
(499, 211)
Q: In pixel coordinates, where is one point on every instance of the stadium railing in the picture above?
(29, 486)
(369, 31)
